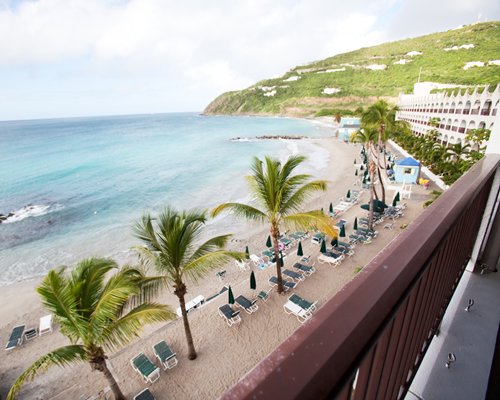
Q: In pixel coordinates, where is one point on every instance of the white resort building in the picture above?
(457, 113)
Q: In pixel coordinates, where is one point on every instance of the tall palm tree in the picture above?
(279, 196)
(171, 247)
(95, 314)
(456, 151)
(381, 116)
(368, 136)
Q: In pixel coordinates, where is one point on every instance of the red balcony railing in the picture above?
(485, 112)
(475, 112)
(466, 112)
(368, 341)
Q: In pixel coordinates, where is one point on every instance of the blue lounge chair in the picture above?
(294, 275)
(230, 316)
(249, 306)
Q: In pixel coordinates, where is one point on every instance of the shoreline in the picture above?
(221, 362)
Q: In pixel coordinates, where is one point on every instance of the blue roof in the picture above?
(408, 162)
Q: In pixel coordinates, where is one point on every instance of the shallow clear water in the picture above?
(89, 179)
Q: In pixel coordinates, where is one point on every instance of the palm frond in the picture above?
(305, 192)
(123, 330)
(241, 210)
(62, 357)
(212, 244)
(311, 220)
(58, 298)
(199, 267)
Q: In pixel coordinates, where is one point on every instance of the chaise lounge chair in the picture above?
(144, 395)
(287, 285)
(243, 265)
(232, 317)
(165, 355)
(45, 324)
(16, 337)
(306, 269)
(263, 295)
(299, 307)
(294, 275)
(145, 367)
(249, 306)
(323, 258)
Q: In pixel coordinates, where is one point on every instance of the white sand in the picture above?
(224, 353)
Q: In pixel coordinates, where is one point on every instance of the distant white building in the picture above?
(457, 113)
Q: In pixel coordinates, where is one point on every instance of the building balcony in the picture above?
(485, 112)
(370, 339)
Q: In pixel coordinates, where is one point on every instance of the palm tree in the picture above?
(170, 246)
(279, 194)
(456, 151)
(368, 136)
(381, 116)
(95, 314)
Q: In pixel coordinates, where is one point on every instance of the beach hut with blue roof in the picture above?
(347, 126)
(406, 170)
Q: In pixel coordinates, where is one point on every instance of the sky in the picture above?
(66, 58)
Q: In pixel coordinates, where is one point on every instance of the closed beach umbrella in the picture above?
(281, 258)
(354, 161)
(342, 231)
(361, 168)
(247, 253)
(268, 242)
(365, 174)
(299, 250)
(331, 207)
(356, 173)
(253, 282)
(356, 223)
(397, 197)
(348, 194)
(334, 242)
(231, 296)
(394, 202)
(364, 180)
(323, 247)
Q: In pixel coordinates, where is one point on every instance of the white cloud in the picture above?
(179, 49)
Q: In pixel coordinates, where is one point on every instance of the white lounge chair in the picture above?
(322, 258)
(249, 306)
(45, 324)
(165, 355)
(231, 317)
(258, 261)
(243, 265)
(145, 367)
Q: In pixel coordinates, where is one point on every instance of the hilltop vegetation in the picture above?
(346, 81)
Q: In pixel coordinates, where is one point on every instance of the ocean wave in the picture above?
(28, 211)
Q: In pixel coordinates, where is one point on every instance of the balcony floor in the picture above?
(472, 337)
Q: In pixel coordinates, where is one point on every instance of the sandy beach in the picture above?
(224, 353)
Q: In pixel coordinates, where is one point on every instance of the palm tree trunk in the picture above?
(180, 291)
(381, 184)
(275, 234)
(103, 367)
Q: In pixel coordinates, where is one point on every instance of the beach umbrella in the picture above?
(281, 258)
(394, 202)
(365, 173)
(354, 161)
(334, 242)
(361, 167)
(231, 296)
(356, 223)
(247, 253)
(322, 210)
(342, 231)
(348, 193)
(323, 247)
(331, 207)
(387, 167)
(268, 242)
(364, 180)
(356, 173)
(253, 282)
(299, 250)
(397, 197)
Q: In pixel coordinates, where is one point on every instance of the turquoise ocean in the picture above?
(75, 186)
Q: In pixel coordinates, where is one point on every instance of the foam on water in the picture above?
(90, 179)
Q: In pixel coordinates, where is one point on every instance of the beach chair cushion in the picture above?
(232, 317)
(145, 367)
(144, 395)
(247, 305)
(16, 337)
(293, 275)
(165, 355)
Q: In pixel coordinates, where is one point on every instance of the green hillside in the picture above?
(357, 85)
